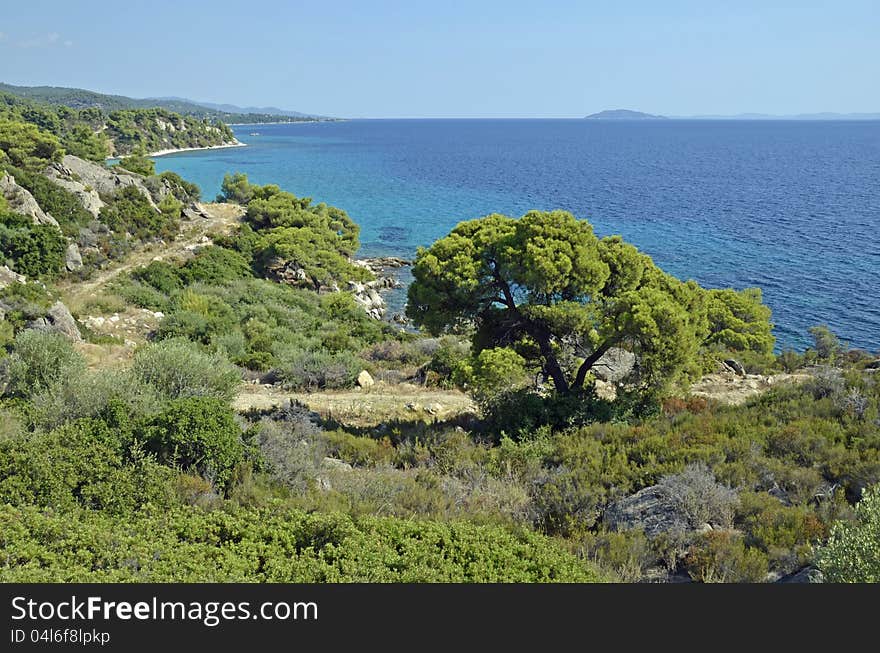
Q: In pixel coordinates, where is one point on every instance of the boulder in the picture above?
(648, 509)
(72, 258)
(614, 365)
(364, 379)
(21, 201)
(58, 320)
(735, 366)
(8, 277)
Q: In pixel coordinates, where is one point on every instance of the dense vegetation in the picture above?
(92, 133)
(78, 98)
(142, 470)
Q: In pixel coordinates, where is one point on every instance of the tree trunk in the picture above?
(589, 362)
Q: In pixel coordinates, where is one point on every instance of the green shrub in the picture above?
(138, 164)
(34, 250)
(309, 370)
(722, 557)
(178, 369)
(852, 553)
(187, 544)
(196, 433)
(216, 265)
(83, 463)
(40, 360)
(130, 212)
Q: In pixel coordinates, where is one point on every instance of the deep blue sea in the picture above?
(792, 207)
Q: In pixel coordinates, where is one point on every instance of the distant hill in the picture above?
(826, 115)
(623, 114)
(78, 98)
(234, 109)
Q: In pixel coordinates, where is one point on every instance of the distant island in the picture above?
(623, 114)
(627, 114)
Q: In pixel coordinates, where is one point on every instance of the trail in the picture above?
(222, 217)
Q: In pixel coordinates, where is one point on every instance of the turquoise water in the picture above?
(792, 207)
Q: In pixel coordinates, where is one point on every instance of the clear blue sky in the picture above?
(496, 58)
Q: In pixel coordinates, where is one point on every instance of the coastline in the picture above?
(237, 143)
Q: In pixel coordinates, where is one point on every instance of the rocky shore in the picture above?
(368, 295)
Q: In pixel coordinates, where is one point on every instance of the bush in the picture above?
(308, 370)
(138, 164)
(273, 544)
(177, 369)
(89, 394)
(696, 495)
(236, 188)
(39, 361)
(216, 265)
(722, 557)
(197, 433)
(852, 553)
(130, 212)
(34, 250)
(83, 463)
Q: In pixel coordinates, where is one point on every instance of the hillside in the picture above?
(95, 133)
(77, 98)
(623, 114)
(211, 388)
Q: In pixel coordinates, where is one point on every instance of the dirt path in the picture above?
(376, 405)
(222, 217)
(735, 390)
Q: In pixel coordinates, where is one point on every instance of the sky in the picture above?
(493, 58)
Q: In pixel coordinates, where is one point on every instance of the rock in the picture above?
(86, 195)
(8, 277)
(335, 464)
(735, 366)
(58, 320)
(873, 365)
(364, 379)
(434, 408)
(704, 528)
(805, 575)
(649, 510)
(413, 406)
(88, 175)
(605, 390)
(21, 201)
(614, 365)
(72, 258)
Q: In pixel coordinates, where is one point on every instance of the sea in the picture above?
(792, 207)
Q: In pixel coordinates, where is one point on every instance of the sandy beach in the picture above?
(237, 143)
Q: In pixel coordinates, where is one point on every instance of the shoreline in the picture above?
(237, 143)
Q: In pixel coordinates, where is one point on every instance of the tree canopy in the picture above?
(547, 287)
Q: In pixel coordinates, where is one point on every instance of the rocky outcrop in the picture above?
(8, 277)
(21, 201)
(58, 320)
(368, 295)
(81, 176)
(72, 258)
(615, 365)
(648, 509)
(87, 195)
